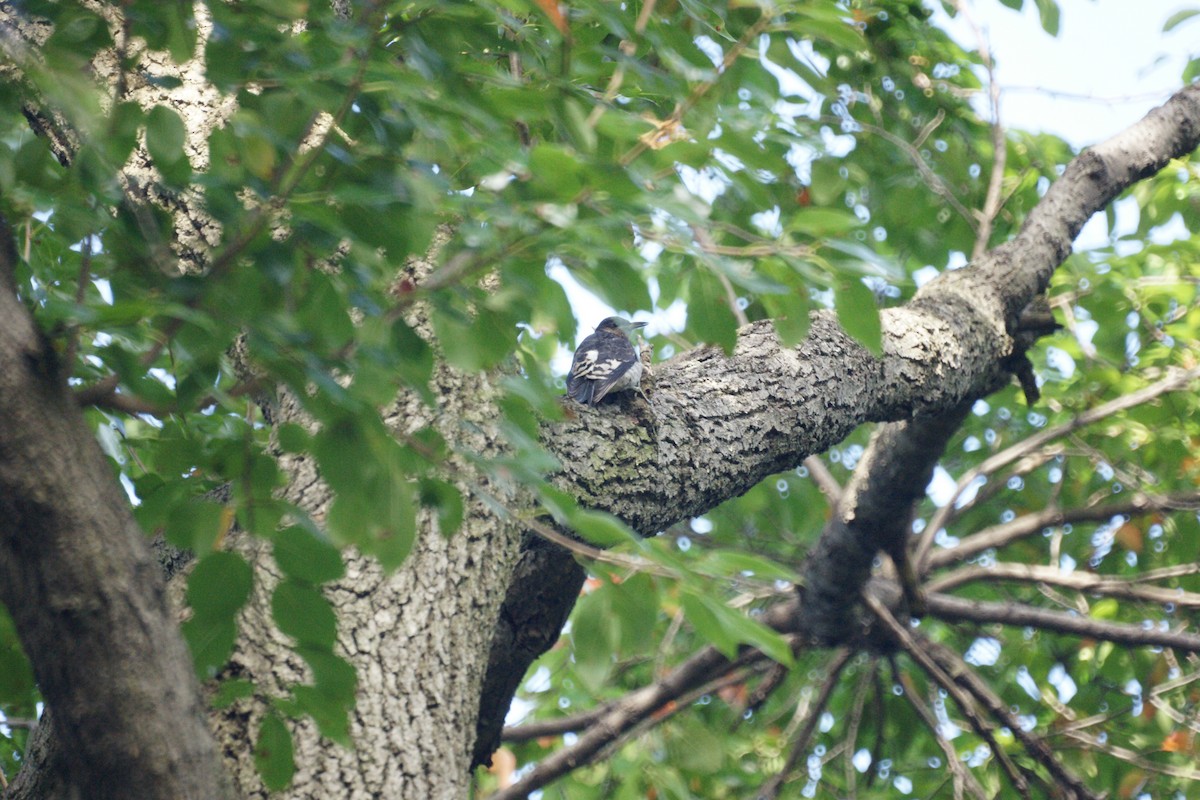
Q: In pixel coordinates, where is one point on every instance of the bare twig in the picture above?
(992, 201)
(770, 789)
(931, 178)
(1006, 533)
(1081, 581)
(82, 282)
(918, 652)
(861, 692)
(824, 479)
(628, 48)
(956, 609)
(963, 777)
(965, 677)
(705, 666)
(731, 55)
(1173, 382)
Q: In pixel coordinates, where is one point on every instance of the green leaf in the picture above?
(1104, 609)
(789, 315)
(446, 499)
(219, 585)
(726, 628)
(302, 612)
(305, 556)
(732, 563)
(707, 624)
(817, 221)
(1049, 15)
(230, 691)
(709, 315)
(332, 674)
(858, 314)
(165, 137)
(601, 529)
(210, 640)
(635, 608)
(273, 754)
(331, 697)
(593, 637)
(332, 718)
(1178, 18)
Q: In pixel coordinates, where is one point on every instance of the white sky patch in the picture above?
(941, 487)
(1061, 680)
(924, 275)
(768, 222)
(1026, 682)
(1060, 361)
(983, 652)
(711, 49)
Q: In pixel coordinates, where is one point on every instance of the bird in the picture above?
(606, 361)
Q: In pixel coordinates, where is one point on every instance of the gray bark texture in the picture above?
(87, 596)
(464, 615)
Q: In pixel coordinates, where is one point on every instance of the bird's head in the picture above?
(618, 325)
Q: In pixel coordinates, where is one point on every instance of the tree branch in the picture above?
(1175, 381)
(770, 789)
(917, 651)
(1006, 533)
(627, 713)
(1082, 581)
(86, 594)
(956, 609)
(965, 677)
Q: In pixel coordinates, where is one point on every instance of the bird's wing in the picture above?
(599, 362)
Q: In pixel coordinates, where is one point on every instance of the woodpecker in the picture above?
(606, 361)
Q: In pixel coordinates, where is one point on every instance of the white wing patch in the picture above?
(585, 364)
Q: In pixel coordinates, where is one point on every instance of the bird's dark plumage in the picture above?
(606, 361)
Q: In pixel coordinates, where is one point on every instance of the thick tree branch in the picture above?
(718, 424)
(86, 594)
(874, 513)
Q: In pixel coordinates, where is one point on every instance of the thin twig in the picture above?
(1173, 382)
(1035, 746)
(81, 284)
(963, 777)
(701, 89)
(1006, 533)
(701, 668)
(855, 720)
(770, 789)
(992, 200)
(824, 479)
(956, 609)
(918, 652)
(628, 48)
(1081, 581)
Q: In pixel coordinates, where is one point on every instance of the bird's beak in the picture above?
(637, 325)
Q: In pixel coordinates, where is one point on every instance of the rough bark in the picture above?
(724, 423)
(89, 605)
(87, 597)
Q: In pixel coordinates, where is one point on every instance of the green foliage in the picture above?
(748, 161)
